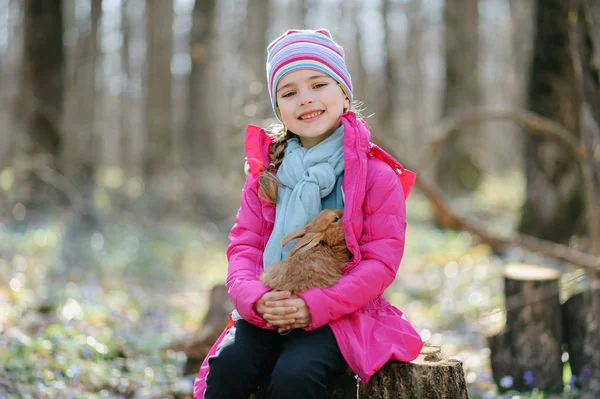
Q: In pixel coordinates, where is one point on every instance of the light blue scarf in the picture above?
(305, 176)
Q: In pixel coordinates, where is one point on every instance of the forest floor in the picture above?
(97, 328)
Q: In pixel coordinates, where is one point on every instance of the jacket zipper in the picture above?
(356, 376)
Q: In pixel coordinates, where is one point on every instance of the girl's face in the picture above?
(310, 104)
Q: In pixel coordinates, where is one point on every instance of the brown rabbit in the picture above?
(316, 260)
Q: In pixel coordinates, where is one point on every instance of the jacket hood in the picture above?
(356, 137)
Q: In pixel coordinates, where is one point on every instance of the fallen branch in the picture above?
(534, 123)
(452, 220)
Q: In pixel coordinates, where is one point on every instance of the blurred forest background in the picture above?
(122, 157)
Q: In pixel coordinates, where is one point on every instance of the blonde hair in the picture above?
(268, 183)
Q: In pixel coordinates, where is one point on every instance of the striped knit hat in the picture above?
(306, 49)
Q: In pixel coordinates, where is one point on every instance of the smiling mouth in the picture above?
(312, 115)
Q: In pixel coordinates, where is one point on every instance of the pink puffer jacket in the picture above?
(368, 329)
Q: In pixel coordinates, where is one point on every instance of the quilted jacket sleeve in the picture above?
(381, 245)
(245, 253)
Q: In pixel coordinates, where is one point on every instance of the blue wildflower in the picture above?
(529, 380)
(506, 382)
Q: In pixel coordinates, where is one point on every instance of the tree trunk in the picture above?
(250, 88)
(585, 54)
(413, 88)
(81, 154)
(124, 96)
(553, 208)
(158, 97)
(527, 353)
(583, 340)
(361, 82)
(522, 16)
(428, 376)
(199, 135)
(392, 86)
(41, 96)
(457, 172)
(582, 312)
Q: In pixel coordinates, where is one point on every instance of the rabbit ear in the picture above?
(294, 234)
(307, 242)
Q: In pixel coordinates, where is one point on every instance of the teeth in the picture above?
(311, 115)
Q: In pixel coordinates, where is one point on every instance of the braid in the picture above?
(267, 180)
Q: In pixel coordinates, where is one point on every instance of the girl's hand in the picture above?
(301, 317)
(280, 312)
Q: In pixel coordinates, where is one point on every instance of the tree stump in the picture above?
(583, 339)
(428, 376)
(527, 353)
(215, 321)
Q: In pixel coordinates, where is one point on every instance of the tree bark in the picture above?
(391, 70)
(585, 55)
(124, 96)
(582, 312)
(158, 97)
(527, 353)
(361, 82)
(42, 94)
(199, 135)
(553, 208)
(81, 155)
(457, 172)
(522, 15)
(428, 376)
(583, 340)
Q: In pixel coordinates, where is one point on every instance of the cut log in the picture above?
(428, 376)
(215, 321)
(583, 340)
(527, 353)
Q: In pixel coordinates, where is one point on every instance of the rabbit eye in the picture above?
(337, 219)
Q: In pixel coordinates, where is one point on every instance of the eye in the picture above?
(289, 94)
(320, 85)
(337, 219)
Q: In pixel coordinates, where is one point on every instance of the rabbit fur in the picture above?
(315, 260)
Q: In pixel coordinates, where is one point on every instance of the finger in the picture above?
(297, 302)
(280, 323)
(279, 317)
(282, 303)
(284, 329)
(281, 310)
(271, 319)
(300, 325)
(277, 295)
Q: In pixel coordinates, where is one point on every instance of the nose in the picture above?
(306, 98)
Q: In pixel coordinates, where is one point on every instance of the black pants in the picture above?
(299, 364)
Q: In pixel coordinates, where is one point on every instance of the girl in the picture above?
(321, 158)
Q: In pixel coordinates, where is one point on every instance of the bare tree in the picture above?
(125, 95)
(158, 97)
(390, 104)
(553, 207)
(42, 92)
(199, 137)
(81, 153)
(457, 170)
